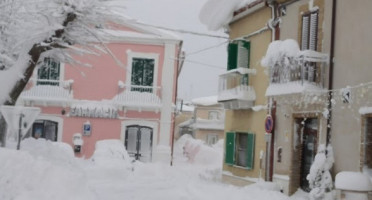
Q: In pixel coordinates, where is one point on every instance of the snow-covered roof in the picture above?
(205, 101)
(204, 124)
(216, 14)
(145, 31)
(291, 88)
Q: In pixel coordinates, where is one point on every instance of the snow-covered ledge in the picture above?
(294, 87)
(365, 110)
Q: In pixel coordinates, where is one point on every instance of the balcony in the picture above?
(296, 74)
(51, 92)
(138, 97)
(234, 91)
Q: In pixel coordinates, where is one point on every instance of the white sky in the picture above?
(196, 80)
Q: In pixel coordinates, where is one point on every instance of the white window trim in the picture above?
(131, 55)
(61, 72)
(54, 119)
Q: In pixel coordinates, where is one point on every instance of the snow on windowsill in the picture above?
(294, 87)
(241, 70)
(365, 110)
(354, 181)
(249, 179)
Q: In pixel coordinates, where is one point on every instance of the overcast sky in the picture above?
(196, 80)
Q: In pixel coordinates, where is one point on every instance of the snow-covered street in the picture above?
(46, 170)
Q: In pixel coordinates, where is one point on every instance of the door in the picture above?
(138, 142)
(309, 144)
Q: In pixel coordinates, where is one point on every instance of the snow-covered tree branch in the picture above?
(31, 30)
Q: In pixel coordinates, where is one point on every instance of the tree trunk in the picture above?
(35, 54)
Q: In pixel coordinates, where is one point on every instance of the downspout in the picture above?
(330, 74)
(180, 61)
(273, 24)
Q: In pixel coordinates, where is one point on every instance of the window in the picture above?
(212, 139)
(142, 74)
(45, 129)
(368, 142)
(238, 54)
(48, 73)
(213, 115)
(240, 149)
(309, 35)
(309, 38)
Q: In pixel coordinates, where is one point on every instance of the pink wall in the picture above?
(101, 80)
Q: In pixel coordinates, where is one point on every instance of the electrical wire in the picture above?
(183, 31)
(207, 48)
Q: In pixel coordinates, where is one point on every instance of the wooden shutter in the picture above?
(243, 53)
(313, 37)
(250, 150)
(232, 56)
(230, 148)
(305, 32)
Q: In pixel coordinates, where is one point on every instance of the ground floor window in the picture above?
(239, 149)
(368, 142)
(212, 138)
(45, 129)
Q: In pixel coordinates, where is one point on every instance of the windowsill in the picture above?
(240, 167)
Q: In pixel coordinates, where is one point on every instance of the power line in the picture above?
(183, 31)
(205, 64)
(207, 48)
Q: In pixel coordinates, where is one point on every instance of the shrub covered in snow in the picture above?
(320, 180)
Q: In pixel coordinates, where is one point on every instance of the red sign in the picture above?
(269, 124)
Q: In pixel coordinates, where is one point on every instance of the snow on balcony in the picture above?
(138, 96)
(46, 91)
(293, 71)
(234, 91)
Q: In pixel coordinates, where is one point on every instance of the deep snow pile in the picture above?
(44, 170)
(41, 170)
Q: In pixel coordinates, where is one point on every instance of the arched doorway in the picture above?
(138, 142)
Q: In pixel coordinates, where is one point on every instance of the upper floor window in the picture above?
(49, 72)
(238, 54)
(309, 34)
(213, 115)
(142, 74)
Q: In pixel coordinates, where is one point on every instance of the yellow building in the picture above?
(242, 92)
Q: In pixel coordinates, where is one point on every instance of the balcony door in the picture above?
(138, 142)
(142, 78)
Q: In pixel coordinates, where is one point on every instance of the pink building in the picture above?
(131, 99)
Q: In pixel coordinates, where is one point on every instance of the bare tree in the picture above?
(33, 29)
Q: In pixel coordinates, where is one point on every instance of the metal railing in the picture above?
(43, 88)
(138, 95)
(234, 86)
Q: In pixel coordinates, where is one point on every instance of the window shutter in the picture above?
(230, 148)
(243, 53)
(250, 150)
(232, 56)
(305, 32)
(313, 37)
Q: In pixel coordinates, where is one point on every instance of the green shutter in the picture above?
(247, 45)
(230, 148)
(232, 59)
(250, 150)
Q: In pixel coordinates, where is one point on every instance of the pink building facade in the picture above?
(128, 94)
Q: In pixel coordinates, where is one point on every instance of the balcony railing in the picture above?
(48, 90)
(138, 96)
(307, 67)
(234, 89)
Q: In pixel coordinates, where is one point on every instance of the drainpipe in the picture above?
(180, 61)
(330, 75)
